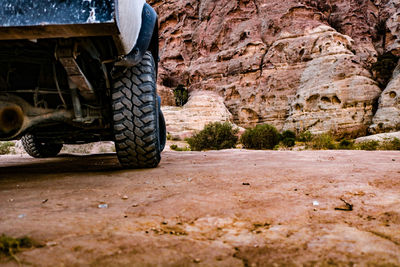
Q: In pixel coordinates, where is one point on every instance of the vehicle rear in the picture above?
(62, 64)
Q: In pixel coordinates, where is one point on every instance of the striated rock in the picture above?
(392, 37)
(202, 108)
(299, 65)
(387, 117)
(167, 95)
(379, 137)
(335, 93)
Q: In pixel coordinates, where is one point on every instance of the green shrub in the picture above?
(171, 137)
(288, 134)
(393, 144)
(323, 141)
(262, 136)
(288, 138)
(10, 245)
(5, 147)
(346, 144)
(306, 136)
(289, 142)
(214, 136)
(368, 145)
(181, 95)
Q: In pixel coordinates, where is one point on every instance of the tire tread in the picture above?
(135, 124)
(36, 149)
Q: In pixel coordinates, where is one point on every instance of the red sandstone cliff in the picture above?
(301, 65)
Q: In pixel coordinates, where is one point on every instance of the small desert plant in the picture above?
(5, 147)
(263, 136)
(323, 141)
(288, 134)
(368, 145)
(288, 138)
(393, 144)
(181, 95)
(171, 137)
(306, 136)
(9, 245)
(346, 144)
(289, 142)
(214, 136)
(177, 148)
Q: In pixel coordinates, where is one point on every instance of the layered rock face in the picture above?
(387, 117)
(299, 65)
(201, 109)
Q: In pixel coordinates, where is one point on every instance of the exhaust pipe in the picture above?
(16, 116)
(11, 120)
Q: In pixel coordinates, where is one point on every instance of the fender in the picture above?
(147, 40)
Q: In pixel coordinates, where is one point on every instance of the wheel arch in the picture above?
(147, 39)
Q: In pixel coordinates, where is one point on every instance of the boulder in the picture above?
(202, 108)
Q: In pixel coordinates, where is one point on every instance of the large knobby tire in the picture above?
(38, 149)
(163, 131)
(136, 116)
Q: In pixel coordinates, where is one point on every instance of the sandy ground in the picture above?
(226, 208)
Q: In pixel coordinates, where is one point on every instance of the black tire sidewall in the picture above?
(137, 139)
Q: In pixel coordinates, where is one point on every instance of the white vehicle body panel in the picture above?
(129, 21)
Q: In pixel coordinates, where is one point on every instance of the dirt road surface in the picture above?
(226, 208)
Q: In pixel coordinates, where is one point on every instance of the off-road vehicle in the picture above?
(79, 71)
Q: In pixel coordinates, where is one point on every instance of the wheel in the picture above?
(162, 126)
(163, 131)
(136, 116)
(38, 149)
